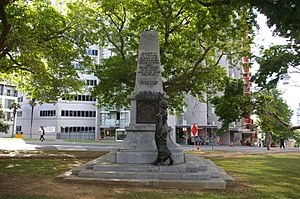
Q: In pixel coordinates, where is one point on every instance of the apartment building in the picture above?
(8, 95)
(202, 114)
(289, 85)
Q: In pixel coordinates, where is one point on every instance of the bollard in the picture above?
(198, 147)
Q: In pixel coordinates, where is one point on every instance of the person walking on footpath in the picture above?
(282, 143)
(42, 133)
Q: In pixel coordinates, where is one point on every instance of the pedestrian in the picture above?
(282, 143)
(42, 134)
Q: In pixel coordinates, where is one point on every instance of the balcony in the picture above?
(114, 123)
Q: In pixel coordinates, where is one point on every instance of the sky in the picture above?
(266, 39)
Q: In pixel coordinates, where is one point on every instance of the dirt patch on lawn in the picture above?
(23, 185)
(50, 187)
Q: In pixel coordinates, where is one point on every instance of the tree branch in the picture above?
(215, 3)
(5, 26)
(201, 58)
(16, 66)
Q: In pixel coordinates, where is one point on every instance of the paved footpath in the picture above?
(20, 144)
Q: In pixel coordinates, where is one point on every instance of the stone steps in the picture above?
(214, 183)
(150, 168)
(203, 175)
(195, 173)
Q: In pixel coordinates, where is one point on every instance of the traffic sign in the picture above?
(194, 129)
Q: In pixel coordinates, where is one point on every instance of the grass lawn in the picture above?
(257, 176)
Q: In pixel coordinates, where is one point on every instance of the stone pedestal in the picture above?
(131, 164)
(139, 146)
(196, 173)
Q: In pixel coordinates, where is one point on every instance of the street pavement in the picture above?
(20, 144)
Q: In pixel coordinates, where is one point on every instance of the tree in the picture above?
(273, 114)
(3, 126)
(32, 103)
(14, 106)
(276, 61)
(39, 42)
(194, 39)
(233, 104)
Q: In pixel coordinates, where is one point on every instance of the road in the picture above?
(20, 144)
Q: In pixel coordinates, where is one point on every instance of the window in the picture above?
(7, 103)
(92, 52)
(91, 82)
(18, 128)
(47, 113)
(20, 99)
(8, 92)
(15, 93)
(1, 89)
(73, 113)
(298, 111)
(78, 129)
(19, 113)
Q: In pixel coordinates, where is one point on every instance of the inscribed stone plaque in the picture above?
(146, 111)
(148, 75)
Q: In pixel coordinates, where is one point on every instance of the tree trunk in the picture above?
(14, 122)
(31, 121)
(268, 140)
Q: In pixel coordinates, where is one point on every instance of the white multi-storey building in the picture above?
(202, 114)
(290, 88)
(79, 118)
(8, 95)
(73, 118)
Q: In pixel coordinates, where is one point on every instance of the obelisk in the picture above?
(139, 145)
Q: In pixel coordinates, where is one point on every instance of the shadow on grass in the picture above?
(22, 197)
(257, 176)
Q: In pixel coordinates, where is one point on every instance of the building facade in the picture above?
(202, 114)
(8, 96)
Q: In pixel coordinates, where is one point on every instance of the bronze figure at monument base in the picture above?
(161, 133)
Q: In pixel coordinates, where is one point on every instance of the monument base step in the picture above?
(143, 157)
(195, 173)
(213, 183)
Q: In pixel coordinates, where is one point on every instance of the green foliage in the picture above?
(193, 40)
(233, 105)
(283, 14)
(273, 113)
(275, 62)
(3, 126)
(40, 44)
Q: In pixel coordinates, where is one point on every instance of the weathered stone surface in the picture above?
(148, 75)
(131, 163)
(196, 173)
(139, 146)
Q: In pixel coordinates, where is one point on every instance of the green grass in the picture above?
(34, 166)
(257, 176)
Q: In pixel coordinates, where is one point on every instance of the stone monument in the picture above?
(139, 145)
(141, 159)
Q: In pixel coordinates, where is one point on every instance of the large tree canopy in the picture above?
(194, 38)
(276, 61)
(38, 43)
